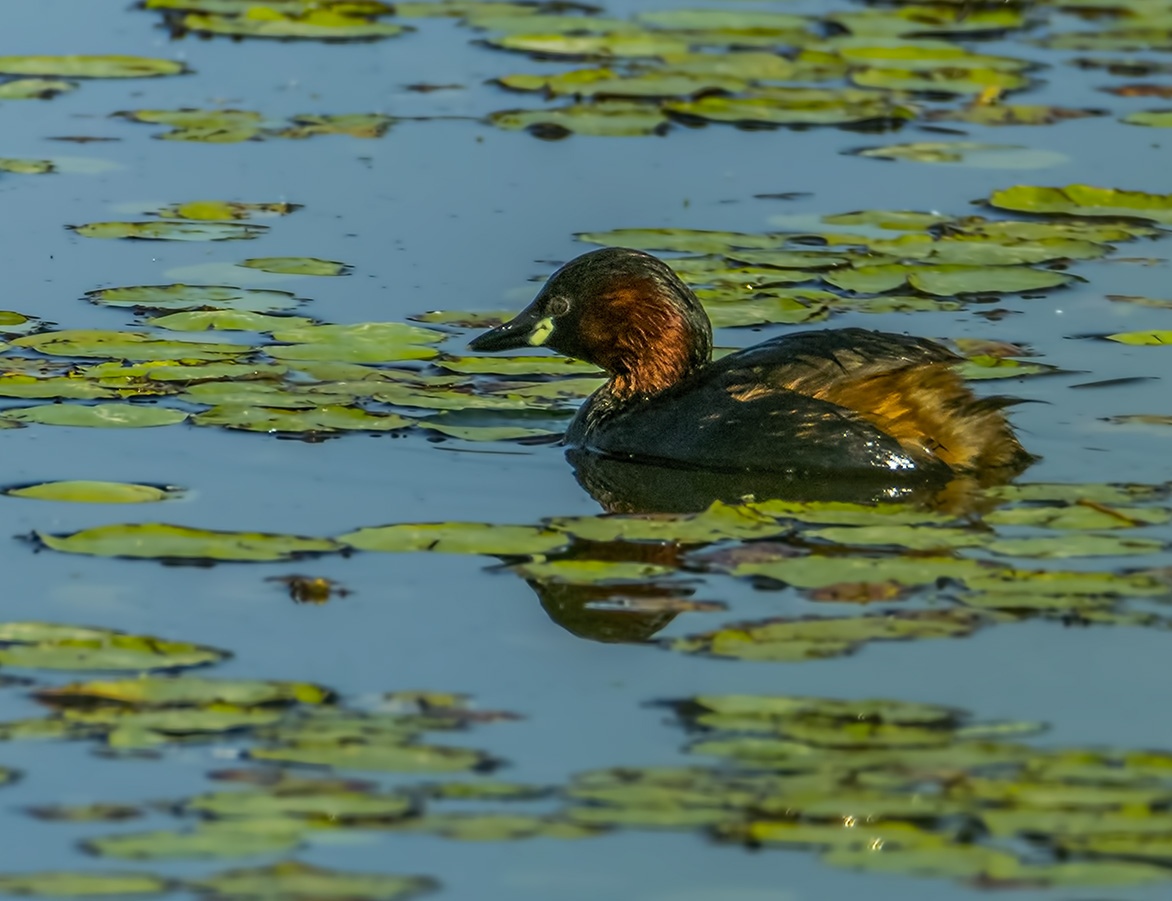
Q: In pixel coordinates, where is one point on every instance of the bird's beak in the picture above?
(527, 329)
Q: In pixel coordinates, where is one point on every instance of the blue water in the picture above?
(452, 214)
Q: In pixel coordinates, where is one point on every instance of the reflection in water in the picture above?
(627, 486)
(634, 612)
(629, 614)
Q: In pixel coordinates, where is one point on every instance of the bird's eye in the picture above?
(557, 306)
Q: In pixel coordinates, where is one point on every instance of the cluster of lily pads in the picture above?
(881, 785)
(871, 69)
(299, 376)
(929, 573)
(904, 788)
(876, 68)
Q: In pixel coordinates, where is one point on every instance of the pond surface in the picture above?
(438, 208)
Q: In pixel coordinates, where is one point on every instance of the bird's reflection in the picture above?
(635, 612)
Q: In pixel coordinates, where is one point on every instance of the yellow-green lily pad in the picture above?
(1150, 118)
(98, 416)
(327, 418)
(293, 880)
(90, 66)
(56, 647)
(720, 522)
(159, 541)
(587, 572)
(297, 266)
(64, 884)
(34, 88)
(1147, 338)
(1084, 200)
(125, 346)
(65, 387)
(26, 166)
(313, 24)
(224, 210)
(227, 320)
(184, 691)
(378, 756)
(172, 231)
(195, 297)
(485, 432)
(94, 492)
(810, 639)
(968, 153)
(608, 118)
(209, 841)
(364, 342)
(457, 538)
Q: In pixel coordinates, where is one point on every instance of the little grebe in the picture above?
(849, 401)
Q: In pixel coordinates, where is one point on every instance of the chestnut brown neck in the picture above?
(646, 344)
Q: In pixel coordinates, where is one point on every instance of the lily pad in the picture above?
(125, 346)
(720, 522)
(183, 691)
(63, 884)
(90, 66)
(610, 118)
(607, 82)
(227, 320)
(457, 538)
(795, 106)
(195, 297)
(292, 880)
(1085, 200)
(968, 153)
(26, 166)
(379, 756)
(51, 646)
(587, 572)
(210, 841)
(171, 231)
(224, 210)
(810, 639)
(306, 803)
(947, 280)
(1148, 338)
(947, 80)
(65, 388)
(1150, 118)
(313, 24)
(35, 88)
(298, 266)
(159, 541)
(485, 432)
(364, 342)
(327, 418)
(99, 416)
(93, 492)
